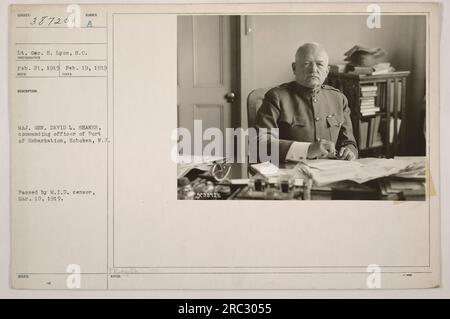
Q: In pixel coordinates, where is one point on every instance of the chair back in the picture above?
(254, 101)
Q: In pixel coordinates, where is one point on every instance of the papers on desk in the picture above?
(273, 172)
(392, 189)
(415, 169)
(326, 171)
(266, 169)
(332, 165)
(402, 185)
(204, 163)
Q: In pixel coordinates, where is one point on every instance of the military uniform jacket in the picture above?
(306, 115)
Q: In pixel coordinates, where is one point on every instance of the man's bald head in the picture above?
(311, 65)
(311, 48)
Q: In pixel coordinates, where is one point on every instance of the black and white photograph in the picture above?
(308, 107)
(128, 123)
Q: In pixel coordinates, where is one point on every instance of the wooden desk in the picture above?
(343, 190)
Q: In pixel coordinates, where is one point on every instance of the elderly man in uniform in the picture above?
(313, 119)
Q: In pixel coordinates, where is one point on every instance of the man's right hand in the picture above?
(321, 149)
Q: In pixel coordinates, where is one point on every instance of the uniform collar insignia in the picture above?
(305, 91)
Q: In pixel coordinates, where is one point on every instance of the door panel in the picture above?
(208, 46)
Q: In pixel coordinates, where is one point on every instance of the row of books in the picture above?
(373, 98)
(371, 132)
(367, 100)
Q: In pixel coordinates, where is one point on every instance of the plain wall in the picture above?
(275, 39)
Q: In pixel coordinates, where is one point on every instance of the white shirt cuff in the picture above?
(298, 151)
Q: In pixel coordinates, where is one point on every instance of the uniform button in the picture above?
(317, 119)
(328, 116)
(314, 100)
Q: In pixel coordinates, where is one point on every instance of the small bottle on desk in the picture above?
(257, 184)
(285, 183)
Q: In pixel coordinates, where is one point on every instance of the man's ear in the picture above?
(328, 70)
(293, 67)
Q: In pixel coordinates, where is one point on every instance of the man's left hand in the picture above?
(346, 153)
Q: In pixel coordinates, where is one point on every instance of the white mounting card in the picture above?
(93, 111)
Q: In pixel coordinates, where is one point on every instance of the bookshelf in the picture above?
(377, 116)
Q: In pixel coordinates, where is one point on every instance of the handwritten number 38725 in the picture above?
(47, 20)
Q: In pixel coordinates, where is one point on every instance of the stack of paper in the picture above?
(414, 170)
(328, 171)
(273, 172)
(393, 188)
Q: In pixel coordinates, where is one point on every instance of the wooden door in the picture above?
(206, 72)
